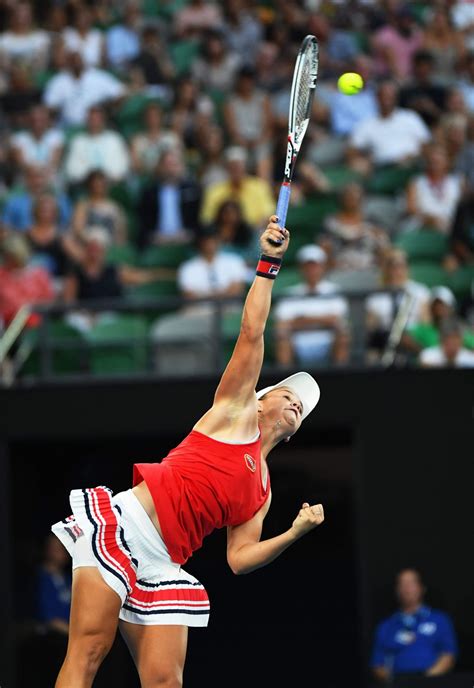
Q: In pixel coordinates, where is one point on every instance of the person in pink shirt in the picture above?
(395, 44)
(20, 284)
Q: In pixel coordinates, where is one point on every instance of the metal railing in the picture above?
(46, 346)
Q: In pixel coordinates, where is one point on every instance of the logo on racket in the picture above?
(251, 463)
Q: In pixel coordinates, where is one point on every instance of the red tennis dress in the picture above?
(201, 485)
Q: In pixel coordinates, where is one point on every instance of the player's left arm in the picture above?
(245, 551)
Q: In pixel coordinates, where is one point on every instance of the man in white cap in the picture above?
(128, 550)
(311, 325)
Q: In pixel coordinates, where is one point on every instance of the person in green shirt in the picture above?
(423, 335)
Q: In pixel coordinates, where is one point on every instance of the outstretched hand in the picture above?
(308, 518)
(274, 240)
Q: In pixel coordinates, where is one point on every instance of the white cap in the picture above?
(311, 253)
(303, 385)
(235, 153)
(443, 294)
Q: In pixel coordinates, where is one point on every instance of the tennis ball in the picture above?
(350, 83)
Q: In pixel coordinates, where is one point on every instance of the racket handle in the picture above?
(283, 202)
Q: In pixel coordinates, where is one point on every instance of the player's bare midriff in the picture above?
(143, 494)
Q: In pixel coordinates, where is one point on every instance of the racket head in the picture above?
(301, 98)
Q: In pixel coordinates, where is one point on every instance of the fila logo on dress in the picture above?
(250, 462)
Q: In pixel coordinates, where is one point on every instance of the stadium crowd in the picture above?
(142, 148)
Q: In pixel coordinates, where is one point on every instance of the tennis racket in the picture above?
(301, 98)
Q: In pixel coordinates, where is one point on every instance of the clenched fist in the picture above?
(308, 518)
(279, 237)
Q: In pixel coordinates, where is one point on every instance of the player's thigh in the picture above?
(95, 606)
(159, 652)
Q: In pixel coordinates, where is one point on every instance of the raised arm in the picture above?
(235, 404)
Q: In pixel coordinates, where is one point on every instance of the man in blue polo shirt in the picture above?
(416, 639)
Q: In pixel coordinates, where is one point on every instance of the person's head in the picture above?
(45, 210)
(436, 160)
(213, 45)
(96, 183)
(212, 144)
(229, 213)
(152, 116)
(39, 120)
(35, 180)
(311, 261)
(96, 120)
(395, 268)
(171, 166)
(54, 553)
(442, 303)
(59, 59)
(82, 18)
(351, 197)
(454, 132)
(96, 243)
(185, 91)
(451, 333)
(236, 163)
(423, 66)
(75, 63)
(21, 17)
(387, 97)
(404, 20)
(245, 82)
(283, 407)
(440, 22)
(15, 252)
(132, 13)
(208, 243)
(409, 589)
(455, 102)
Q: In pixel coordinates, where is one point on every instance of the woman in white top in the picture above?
(84, 39)
(148, 145)
(22, 42)
(432, 197)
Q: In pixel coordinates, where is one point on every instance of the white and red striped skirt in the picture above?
(116, 535)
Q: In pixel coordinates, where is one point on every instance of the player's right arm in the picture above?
(235, 404)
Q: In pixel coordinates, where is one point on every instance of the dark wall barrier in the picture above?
(389, 453)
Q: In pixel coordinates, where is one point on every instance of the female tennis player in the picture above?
(128, 550)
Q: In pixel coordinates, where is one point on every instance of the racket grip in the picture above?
(283, 202)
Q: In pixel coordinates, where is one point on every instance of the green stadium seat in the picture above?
(423, 244)
(166, 255)
(118, 345)
(387, 180)
(153, 290)
(461, 282)
(340, 176)
(429, 273)
(182, 54)
(119, 255)
(66, 359)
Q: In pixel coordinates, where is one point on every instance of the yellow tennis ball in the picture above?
(350, 83)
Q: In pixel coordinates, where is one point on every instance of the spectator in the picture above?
(420, 336)
(395, 44)
(20, 96)
(416, 640)
(186, 341)
(196, 18)
(382, 308)
(211, 146)
(148, 146)
(41, 145)
(462, 234)
(74, 90)
(123, 39)
(249, 124)
(312, 328)
(445, 44)
(191, 112)
(450, 352)
(49, 248)
(254, 194)
(82, 38)
(98, 210)
(423, 93)
(395, 136)
(349, 239)
(432, 197)
(17, 212)
(93, 278)
(466, 84)
(97, 148)
(216, 69)
(235, 235)
(21, 284)
(153, 61)
(169, 208)
(242, 31)
(54, 587)
(22, 42)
